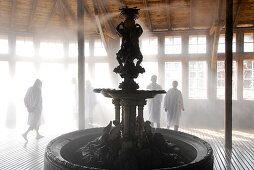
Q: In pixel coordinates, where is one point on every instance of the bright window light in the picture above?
(221, 45)
(198, 80)
(4, 44)
(102, 76)
(221, 80)
(99, 49)
(51, 49)
(248, 42)
(24, 46)
(150, 46)
(173, 72)
(73, 49)
(173, 45)
(197, 44)
(4, 87)
(144, 80)
(248, 79)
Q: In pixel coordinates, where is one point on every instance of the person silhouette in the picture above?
(33, 103)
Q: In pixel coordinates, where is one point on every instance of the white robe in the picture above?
(173, 102)
(33, 101)
(90, 101)
(154, 104)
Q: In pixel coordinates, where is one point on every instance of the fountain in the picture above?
(131, 143)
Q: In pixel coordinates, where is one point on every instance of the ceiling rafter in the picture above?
(31, 16)
(218, 24)
(67, 8)
(52, 12)
(169, 24)
(239, 6)
(13, 13)
(61, 11)
(148, 18)
(109, 25)
(190, 19)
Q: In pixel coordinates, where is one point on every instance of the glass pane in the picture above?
(51, 50)
(248, 37)
(24, 47)
(173, 72)
(4, 44)
(149, 46)
(99, 49)
(248, 47)
(151, 68)
(102, 76)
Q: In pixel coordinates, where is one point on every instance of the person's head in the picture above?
(154, 78)
(174, 84)
(37, 83)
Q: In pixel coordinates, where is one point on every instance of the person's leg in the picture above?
(152, 124)
(38, 136)
(25, 134)
(176, 127)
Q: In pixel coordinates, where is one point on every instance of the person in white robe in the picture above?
(154, 104)
(33, 103)
(90, 102)
(173, 104)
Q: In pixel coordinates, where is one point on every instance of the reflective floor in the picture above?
(16, 153)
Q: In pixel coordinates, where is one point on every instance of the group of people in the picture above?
(173, 105)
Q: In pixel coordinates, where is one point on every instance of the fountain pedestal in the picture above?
(129, 101)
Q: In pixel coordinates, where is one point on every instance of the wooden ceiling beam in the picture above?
(61, 11)
(31, 16)
(190, 19)
(148, 18)
(168, 14)
(67, 7)
(13, 13)
(239, 6)
(52, 12)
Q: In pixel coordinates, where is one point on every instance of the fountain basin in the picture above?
(60, 154)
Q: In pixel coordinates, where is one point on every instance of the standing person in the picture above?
(154, 104)
(173, 104)
(90, 101)
(33, 103)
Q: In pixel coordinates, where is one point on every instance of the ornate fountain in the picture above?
(131, 143)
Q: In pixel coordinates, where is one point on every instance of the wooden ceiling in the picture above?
(35, 16)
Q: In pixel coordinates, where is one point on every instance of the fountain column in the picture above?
(116, 102)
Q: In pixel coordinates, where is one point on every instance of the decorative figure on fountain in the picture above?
(130, 51)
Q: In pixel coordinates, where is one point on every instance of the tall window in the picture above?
(73, 49)
(173, 45)
(4, 44)
(99, 49)
(173, 71)
(198, 79)
(102, 77)
(150, 46)
(248, 42)
(248, 79)
(24, 46)
(221, 80)
(51, 49)
(197, 44)
(221, 45)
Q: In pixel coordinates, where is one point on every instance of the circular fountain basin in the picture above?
(60, 153)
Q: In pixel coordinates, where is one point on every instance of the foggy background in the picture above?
(54, 62)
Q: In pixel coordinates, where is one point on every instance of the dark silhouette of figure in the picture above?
(33, 103)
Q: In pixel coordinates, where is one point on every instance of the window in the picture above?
(173, 45)
(51, 49)
(4, 44)
(221, 45)
(73, 49)
(248, 42)
(99, 49)
(197, 44)
(173, 71)
(221, 80)
(198, 80)
(24, 46)
(150, 46)
(248, 79)
(102, 76)
(143, 80)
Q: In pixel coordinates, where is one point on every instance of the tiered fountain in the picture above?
(131, 143)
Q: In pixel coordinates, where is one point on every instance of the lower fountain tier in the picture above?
(60, 152)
